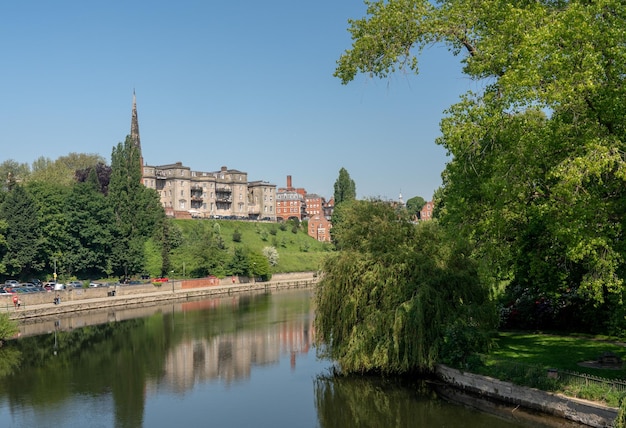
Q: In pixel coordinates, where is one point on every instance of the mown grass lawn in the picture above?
(556, 351)
(525, 359)
(297, 251)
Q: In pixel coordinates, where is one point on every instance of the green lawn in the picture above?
(525, 359)
(560, 352)
(297, 251)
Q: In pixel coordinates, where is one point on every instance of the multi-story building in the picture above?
(427, 211)
(262, 200)
(290, 202)
(319, 228)
(219, 194)
(314, 204)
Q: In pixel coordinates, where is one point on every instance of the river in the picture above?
(236, 361)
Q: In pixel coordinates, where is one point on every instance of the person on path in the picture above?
(15, 300)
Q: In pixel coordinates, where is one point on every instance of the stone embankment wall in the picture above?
(74, 295)
(75, 300)
(581, 411)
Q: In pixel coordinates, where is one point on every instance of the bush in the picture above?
(8, 328)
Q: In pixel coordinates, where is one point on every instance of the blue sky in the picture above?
(243, 84)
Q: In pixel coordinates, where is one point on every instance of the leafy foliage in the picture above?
(137, 209)
(537, 175)
(414, 205)
(345, 188)
(8, 328)
(386, 298)
(23, 234)
(271, 255)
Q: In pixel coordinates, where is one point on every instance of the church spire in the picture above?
(134, 124)
(134, 130)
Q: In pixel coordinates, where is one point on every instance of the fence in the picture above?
(538, 376)
(584, 379)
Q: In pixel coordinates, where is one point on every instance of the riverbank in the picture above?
(39, 305)
(581, 411)
(136, 296)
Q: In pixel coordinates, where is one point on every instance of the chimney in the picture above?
(289, 181)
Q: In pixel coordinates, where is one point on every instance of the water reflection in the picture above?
(175, 348)
(243, 360)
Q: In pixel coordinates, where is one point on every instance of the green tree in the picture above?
(90, 228)
(539, 148)
(136, 209)
(239, 263)
(12, 172)
(414, 205)
(64, 169)
(169, 237)
(51, 198)
(259, 266)
(8, 328)
(3, 244)
(387, 299)
(205, 251)
(345, 188)
(23, 234)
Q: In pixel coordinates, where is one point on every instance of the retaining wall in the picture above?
(581, 411)
(78, 294)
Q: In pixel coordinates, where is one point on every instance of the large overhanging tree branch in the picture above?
(565, 59)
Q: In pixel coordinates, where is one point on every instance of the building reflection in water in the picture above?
(231, 356)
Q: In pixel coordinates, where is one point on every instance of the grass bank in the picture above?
(297, 251)
(529, 359)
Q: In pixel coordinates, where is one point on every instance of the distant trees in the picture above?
(414, 205)
(63, 170)
(23, 236)
(345, 188)
(79, 215)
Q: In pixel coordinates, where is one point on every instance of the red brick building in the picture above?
(290, 202)
(427, 211)
(319, 228)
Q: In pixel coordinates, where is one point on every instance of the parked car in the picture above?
(75, 284)
(59, 286)
(11, 283)
(98, 284)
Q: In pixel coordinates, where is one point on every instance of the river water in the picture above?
(236, 361)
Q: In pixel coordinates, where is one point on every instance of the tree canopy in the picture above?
(345, 188)
(537, 174)
(397, 293)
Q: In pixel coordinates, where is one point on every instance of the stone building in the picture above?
(198, 194)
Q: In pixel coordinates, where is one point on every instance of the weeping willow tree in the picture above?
(398, 297)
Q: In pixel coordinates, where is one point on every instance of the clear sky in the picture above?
(243, 84)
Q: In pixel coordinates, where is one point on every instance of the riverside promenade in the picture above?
(39, 305)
